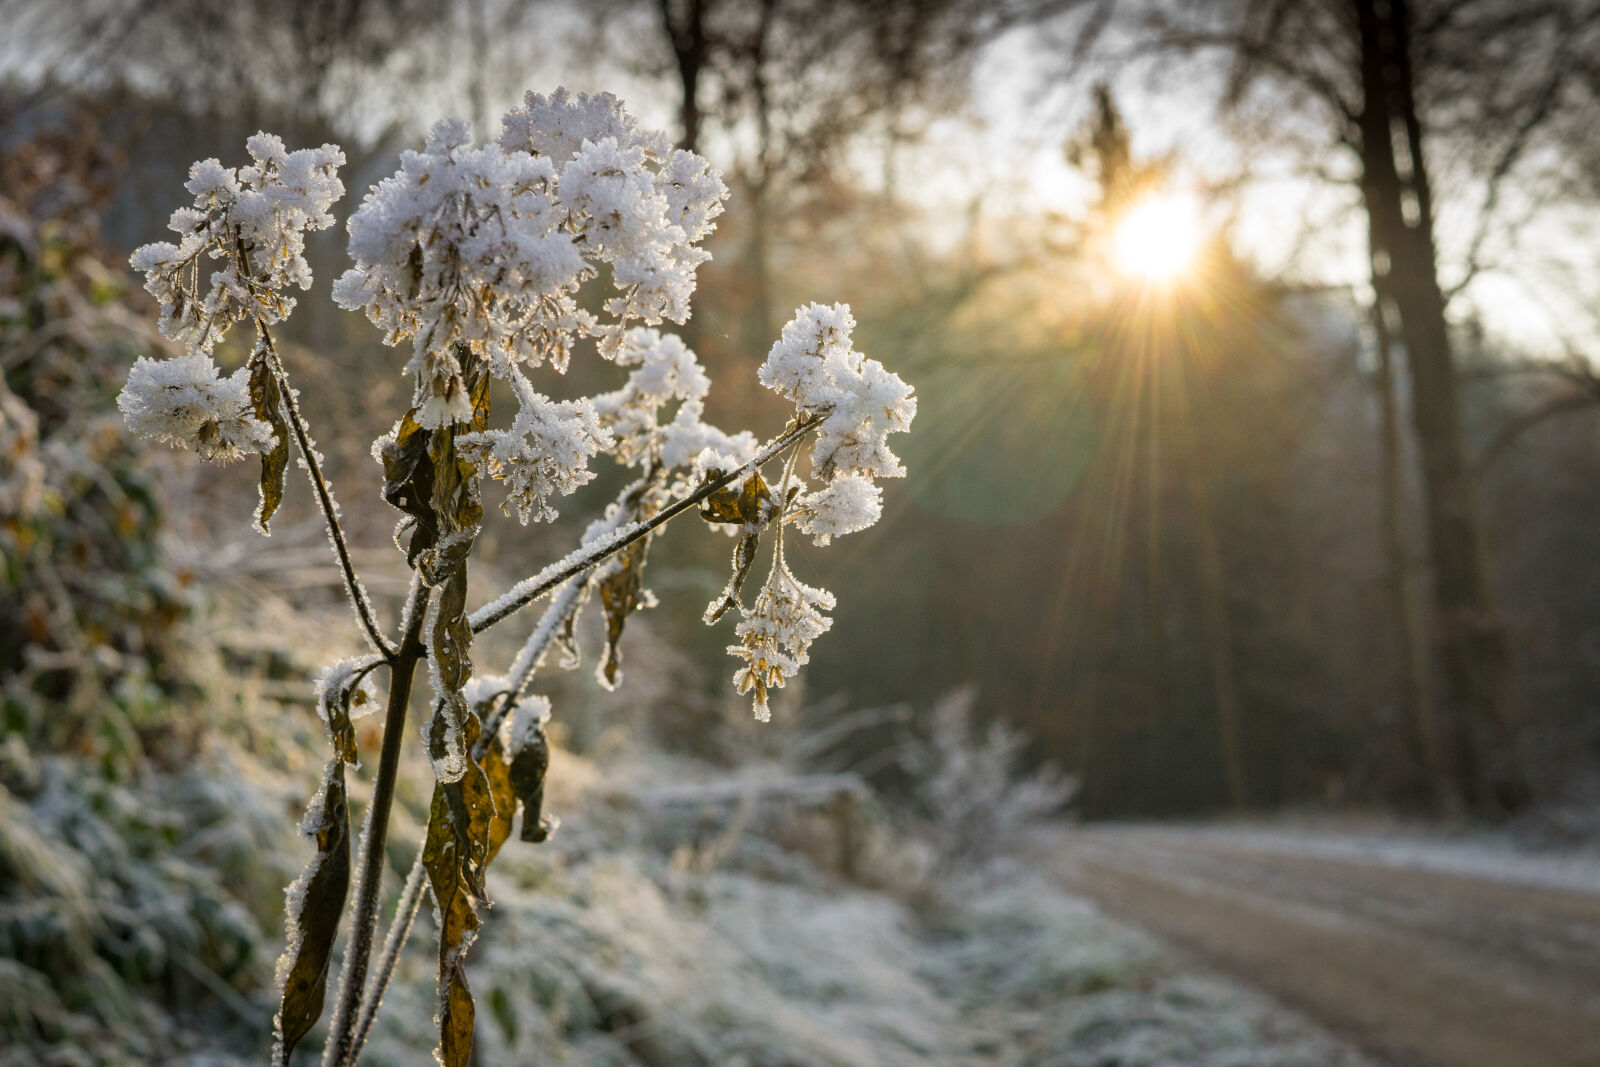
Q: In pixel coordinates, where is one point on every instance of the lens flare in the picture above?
(1158, 236)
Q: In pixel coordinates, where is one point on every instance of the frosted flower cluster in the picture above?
(252, 221)
(545, 452)
(855, 405)
(665, 370)
(487, 263)
(814, 363)
(186, 401)
(775, 635)
(485, 248)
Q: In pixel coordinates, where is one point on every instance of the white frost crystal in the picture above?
(185, 401)
(815, 365)
(480, 252)
(857, 404)
(464, 246)
(545, 452)
(849, 503)
(491, 261)
(343, 685)
(665, 370)
(520, 730)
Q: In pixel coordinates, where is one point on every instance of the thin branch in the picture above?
(531, 589)
(1258, 53)
(1541, 109)
(405, 914)
(330, 510)
(1511, 431)
(575, 572)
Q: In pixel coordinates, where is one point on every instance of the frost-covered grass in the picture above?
(611, 946)
(136, 918)
(612, 951)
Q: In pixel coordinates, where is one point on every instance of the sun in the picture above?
(1158, 236)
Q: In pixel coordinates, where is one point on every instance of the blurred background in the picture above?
(1256, 479)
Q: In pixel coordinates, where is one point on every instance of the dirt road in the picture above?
(1418, 968)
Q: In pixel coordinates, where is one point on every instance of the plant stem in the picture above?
(405, 913)
(344, 1049)
(410, 902)
(330, 510)
(369, 882)
(526, 592)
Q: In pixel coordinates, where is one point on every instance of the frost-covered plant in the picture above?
(972, 787)
(488, 262)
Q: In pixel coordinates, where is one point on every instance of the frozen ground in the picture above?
(614, 964)
(1512, 856)
(138, 926)
(1428, 952)
(730, 938)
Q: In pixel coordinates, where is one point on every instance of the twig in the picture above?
(574, 571)
(531, 589)
(330, 510)
(1511, 431)
(405, 913)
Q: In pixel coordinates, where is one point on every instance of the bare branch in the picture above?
(1501, 443)
(531, 589)
(1540, 110)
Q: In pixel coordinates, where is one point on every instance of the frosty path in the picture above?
(1420, 967)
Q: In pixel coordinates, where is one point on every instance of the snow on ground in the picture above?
(1508, 855)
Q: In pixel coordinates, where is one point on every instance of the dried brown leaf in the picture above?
(455, 856)
(622, 593)
(526, 769)
(316, 901)
(267, 400)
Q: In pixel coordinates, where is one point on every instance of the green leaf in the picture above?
(316, 901)
(267, 399)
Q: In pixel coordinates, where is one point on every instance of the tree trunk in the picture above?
(1417, 713)
(1473, 645)
(687, 35)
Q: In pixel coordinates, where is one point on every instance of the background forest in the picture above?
(1302, 513)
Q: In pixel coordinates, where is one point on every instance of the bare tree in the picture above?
(1481, 90)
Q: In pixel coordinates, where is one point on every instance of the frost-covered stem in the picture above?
(330, 511)
(405, 912)
(369, 879)
(527, 592)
